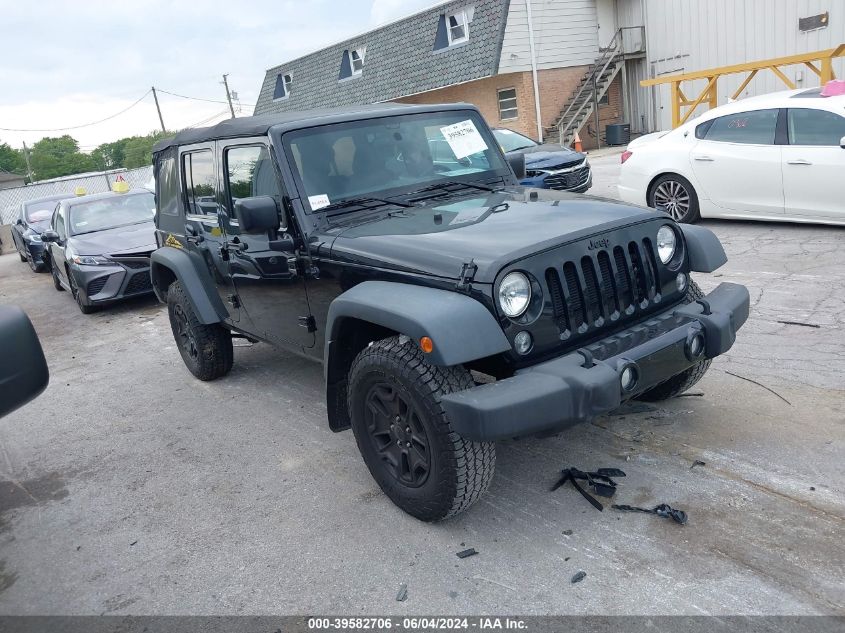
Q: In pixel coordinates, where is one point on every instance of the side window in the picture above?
(167, 187)
(756, 127)
(200, 183)
(60, 223)
(250, 173)
(814, 127)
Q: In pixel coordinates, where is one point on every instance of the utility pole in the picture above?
(228, 95)
(26, 157)
(158, 107)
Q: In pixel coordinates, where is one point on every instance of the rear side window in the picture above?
(200, 183)
(814, 127)
(167, 186)
(756, 127)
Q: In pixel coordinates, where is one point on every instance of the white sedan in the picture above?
(779, 156)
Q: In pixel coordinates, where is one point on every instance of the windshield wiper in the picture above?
(450, 181)
(363, 201)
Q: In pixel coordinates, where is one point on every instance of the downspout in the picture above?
(534, 71)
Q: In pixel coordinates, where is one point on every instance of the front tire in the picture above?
(206, 349)
(404, 435)
(677, 196)
(57, 284)
(74, 290)
(680, 382)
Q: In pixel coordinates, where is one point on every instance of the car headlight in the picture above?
(89, 260)
(667, 243)
(514, 294)
(33, 237)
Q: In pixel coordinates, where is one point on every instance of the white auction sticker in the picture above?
(463, 138)
(318, 202)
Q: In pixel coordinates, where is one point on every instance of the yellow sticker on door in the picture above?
(172, 241)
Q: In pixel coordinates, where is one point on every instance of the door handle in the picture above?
(798, 161)
(702, 157)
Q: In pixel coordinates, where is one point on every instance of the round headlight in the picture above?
(666, 243)
(514, 294)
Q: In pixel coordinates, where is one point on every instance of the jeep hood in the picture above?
(490, 229)
(124, 239)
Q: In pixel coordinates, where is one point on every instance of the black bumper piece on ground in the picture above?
(587, 383)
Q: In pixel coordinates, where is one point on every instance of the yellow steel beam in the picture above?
(744, 84)
(783, 77)
(812, 67)
(708, 91)
(749, 66)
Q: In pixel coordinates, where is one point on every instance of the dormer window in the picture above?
(357, 59)
(457, 27)
(283, 84)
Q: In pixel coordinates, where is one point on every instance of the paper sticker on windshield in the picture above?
(463, 138)
(318, 202)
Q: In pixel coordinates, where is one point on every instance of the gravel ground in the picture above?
(131, 488)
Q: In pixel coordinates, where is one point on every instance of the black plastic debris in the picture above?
(466, 553)
(697, 462)
(579, 577)
(663, 510)
(403, 593)
(600, 481)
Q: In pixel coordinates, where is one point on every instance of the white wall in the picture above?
(565, 34)
(686, 36)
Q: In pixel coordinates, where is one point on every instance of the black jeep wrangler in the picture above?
(450, 306)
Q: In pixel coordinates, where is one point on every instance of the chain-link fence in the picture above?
(10, 199)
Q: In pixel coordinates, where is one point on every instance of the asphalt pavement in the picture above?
(129, 487)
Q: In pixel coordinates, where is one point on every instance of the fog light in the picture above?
(628, 379)
(696, 345)
(522, 342)
(681, 280)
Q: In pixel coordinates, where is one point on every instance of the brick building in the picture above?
(484, 52)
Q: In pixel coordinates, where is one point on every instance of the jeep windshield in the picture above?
(379, 159)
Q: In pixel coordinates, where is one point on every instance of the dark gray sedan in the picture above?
(33, 217)
(98, 246)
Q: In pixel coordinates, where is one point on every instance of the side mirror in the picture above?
(517, 163)
(19, 221)
(257, 215)
(842, 142)
(49, 236)
(23, 369)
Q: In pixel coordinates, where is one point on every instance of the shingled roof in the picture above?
(402, 58)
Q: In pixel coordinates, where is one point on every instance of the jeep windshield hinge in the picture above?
(468, 270)
(308, 323)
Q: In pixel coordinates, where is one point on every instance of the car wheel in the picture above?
(680, 382)
(36, 268)
(404, 435)
(74, 290)
(677, 196)
(56, 283)
(22, 256)
(206, 349)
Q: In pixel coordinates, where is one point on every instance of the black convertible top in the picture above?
(259, 125)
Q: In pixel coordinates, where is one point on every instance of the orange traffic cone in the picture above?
(578, 146)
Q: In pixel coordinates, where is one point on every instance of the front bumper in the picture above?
(110, 282)
(585, 384)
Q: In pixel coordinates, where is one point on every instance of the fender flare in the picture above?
(461, 328)
(200, 288)
(706, 253)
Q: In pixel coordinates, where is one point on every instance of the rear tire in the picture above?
(206, 349)
(680, 382)
(677, 196)
(22, 256)
(404, 435)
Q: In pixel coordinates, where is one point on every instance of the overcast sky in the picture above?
(69, 63)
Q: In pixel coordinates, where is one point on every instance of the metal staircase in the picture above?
(594, 84)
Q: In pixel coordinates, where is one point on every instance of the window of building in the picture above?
(283, 84)
(507, 104)
(200, 183)
(756, 128)
(457, 27)
(605, 100)
(357, 59)
(814, 127)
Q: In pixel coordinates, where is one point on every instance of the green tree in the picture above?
(138, 151)
(12, 159)
(52, 157)
(110, 155)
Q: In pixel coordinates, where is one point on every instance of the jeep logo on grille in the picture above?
(597, 244)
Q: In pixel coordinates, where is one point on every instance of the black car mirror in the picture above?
(517, 162)
(20, 222)
(23, 368)
(842, 142)
(259, 214)
(49, 236)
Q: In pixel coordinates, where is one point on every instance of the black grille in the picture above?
(97, 285)
(601, 287)
(139, 282)
(569, 180)
(135, 263)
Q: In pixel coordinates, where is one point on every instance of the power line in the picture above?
(213, 116)
(76, 127)
(173, 94)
